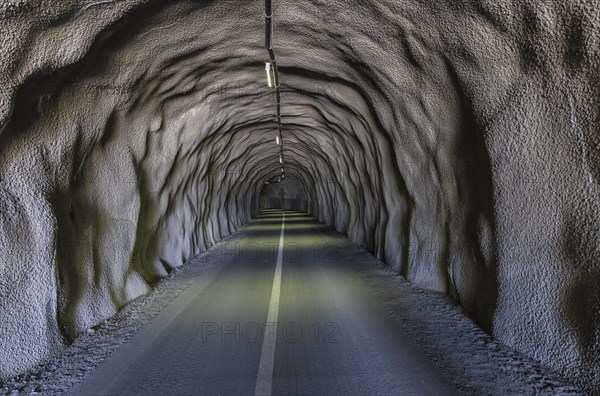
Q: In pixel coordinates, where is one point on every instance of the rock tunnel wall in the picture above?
(456, 140)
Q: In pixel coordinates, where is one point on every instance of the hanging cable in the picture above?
(273, 79)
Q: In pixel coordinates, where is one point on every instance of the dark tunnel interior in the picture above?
(456, 141)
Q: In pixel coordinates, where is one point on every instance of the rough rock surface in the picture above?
(456, 140)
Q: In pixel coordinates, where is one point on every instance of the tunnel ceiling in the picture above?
(453, 139)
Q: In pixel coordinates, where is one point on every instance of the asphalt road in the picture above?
(277, 315)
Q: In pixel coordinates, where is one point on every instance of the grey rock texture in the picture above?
(456, 140)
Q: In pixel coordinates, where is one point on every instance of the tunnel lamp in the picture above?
(281, 159)
(269, 70)
(267, 183)
(278, 140)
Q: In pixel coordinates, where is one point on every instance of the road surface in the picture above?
(278, 315)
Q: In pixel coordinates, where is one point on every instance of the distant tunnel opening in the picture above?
(287, 195)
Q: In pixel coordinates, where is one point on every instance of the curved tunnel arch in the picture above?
(415, 128)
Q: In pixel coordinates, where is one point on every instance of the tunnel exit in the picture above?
(288, 194)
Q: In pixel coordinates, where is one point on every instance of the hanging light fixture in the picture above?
(273, 77)
(269, 70)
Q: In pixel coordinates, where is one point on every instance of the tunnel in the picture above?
(455, 141)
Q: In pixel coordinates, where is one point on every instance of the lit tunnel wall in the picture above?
(453, 139)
